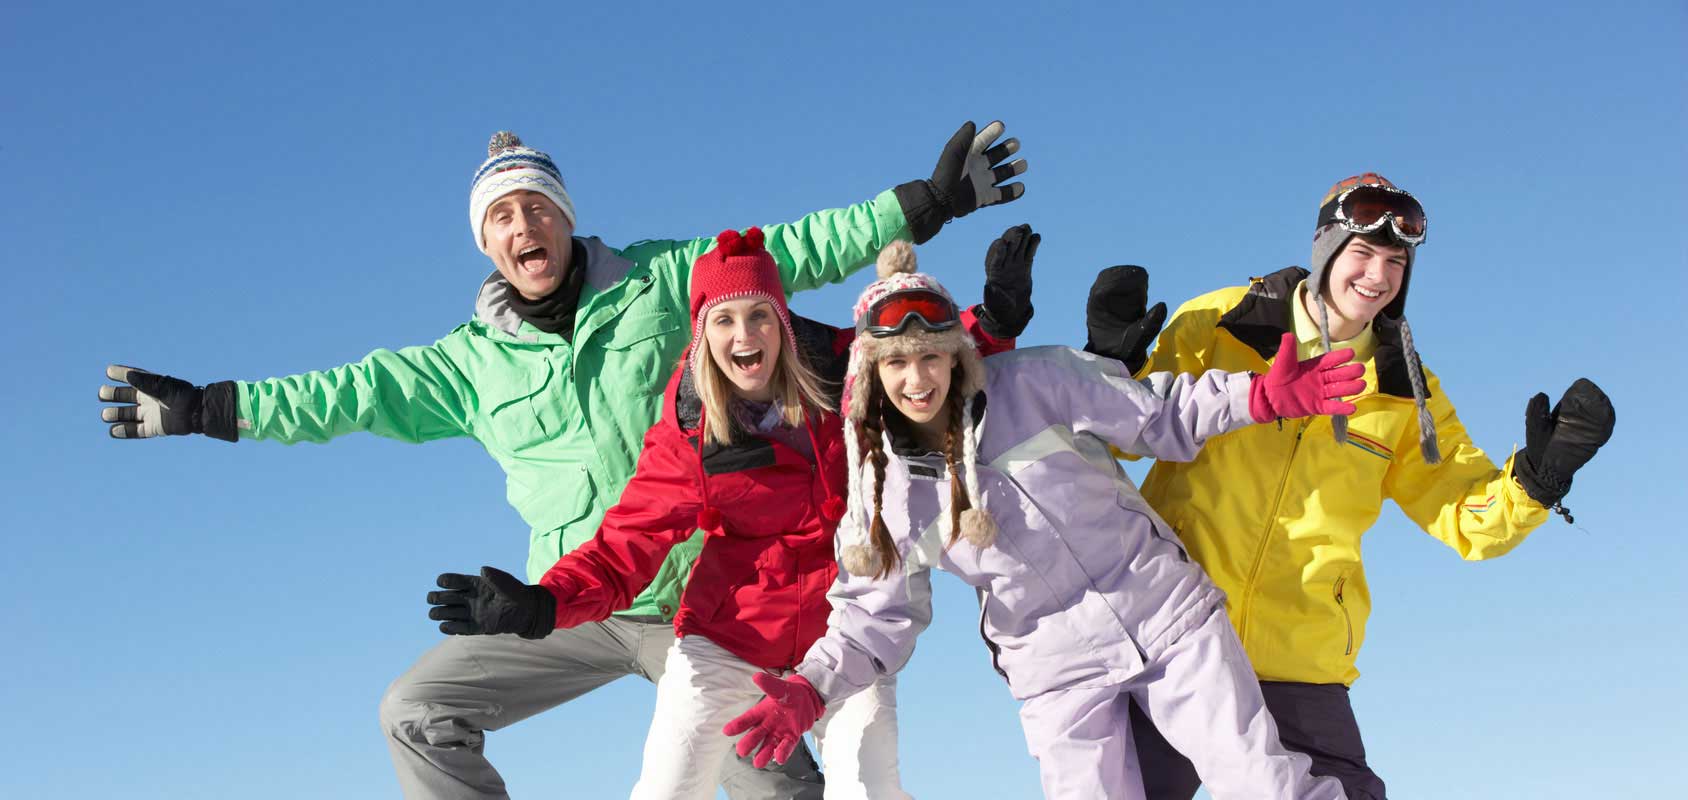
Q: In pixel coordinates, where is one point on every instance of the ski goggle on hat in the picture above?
(895, 312)
(1369, 202)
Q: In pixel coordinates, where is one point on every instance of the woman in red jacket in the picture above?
(750, 450)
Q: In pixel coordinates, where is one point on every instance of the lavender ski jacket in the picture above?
(1084, 583)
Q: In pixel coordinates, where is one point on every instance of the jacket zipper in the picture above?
(1266, 535)
(1346, 620)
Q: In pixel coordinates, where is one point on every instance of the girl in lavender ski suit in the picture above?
(1088, 599)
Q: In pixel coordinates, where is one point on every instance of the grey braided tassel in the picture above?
(1415, 373)
(1338, 422)
(501, 141)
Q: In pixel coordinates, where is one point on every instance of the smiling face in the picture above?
(1362, 280)
(917, 385)
(528, 239)
(744, 338)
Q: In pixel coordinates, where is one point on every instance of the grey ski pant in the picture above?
(436, 715)
(1314, 719)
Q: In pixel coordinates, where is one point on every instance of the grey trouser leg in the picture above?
(436, 714)
(1313, 718)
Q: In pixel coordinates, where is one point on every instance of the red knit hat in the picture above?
(739, 267)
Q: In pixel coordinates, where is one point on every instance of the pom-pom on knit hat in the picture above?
(1328, 240)
(513, 167)
(896, 269)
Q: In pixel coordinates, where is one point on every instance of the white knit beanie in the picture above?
(513, 167)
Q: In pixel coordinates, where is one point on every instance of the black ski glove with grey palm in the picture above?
(969, 176)
(164, 406)
(1117, 323)
(493, 602)
(1008, 283)
(1559, 442)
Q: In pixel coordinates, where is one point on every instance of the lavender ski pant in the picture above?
(1202, 695)
(437, 714)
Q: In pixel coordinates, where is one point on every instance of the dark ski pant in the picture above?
(436, 714)
(1313, 718)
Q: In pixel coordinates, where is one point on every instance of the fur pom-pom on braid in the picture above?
(978, 527)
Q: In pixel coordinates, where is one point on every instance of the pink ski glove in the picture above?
(776, 722)
(1314, 387)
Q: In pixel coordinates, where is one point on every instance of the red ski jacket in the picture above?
(759, 585)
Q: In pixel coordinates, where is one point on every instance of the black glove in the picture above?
(968, 177)
(495, 602)
(1008, 282)
(1118, 325)
(1557, 443)
(166, 406)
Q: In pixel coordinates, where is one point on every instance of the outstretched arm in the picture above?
(1170, 415)
(824, 247)
(1482, 511)
(415, 395)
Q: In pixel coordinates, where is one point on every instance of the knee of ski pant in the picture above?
(407, 718)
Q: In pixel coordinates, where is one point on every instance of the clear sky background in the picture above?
(222, 193)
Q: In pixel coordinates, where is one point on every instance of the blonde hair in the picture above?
(796, 387)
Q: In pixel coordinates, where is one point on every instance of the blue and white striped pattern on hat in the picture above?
(513, 167)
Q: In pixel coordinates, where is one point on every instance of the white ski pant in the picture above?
(1203, 696)
(704, 686)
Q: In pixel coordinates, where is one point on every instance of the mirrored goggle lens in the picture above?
(1366, 207)
(891, 315)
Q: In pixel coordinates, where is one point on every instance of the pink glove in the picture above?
(1292, 389)
(776, 722)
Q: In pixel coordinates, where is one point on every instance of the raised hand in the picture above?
(1116, 320)
(1314, 387)
(1008, 282)
(494, 602)
(970, 172)
(777, 722)
(1560, 441)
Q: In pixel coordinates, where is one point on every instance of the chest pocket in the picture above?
(1373, 434)
(641, 347)
(530, 416)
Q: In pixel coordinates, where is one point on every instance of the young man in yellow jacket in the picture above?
(1275, 513)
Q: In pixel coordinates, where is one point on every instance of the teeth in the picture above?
(746, 353)
(527, 250)
(1368, 293)
(921, 396)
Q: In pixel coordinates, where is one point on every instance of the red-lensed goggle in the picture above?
(1364, 209)
(892, 314)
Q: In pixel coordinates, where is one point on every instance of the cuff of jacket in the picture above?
(1525, 483)
(831, 686)
(1008, 325)
(217, 412)
(925, 215)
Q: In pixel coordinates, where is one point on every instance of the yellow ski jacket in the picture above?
(1275, 512)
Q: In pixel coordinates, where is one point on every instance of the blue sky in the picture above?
(222, 193)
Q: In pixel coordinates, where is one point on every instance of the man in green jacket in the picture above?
(558, 375)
